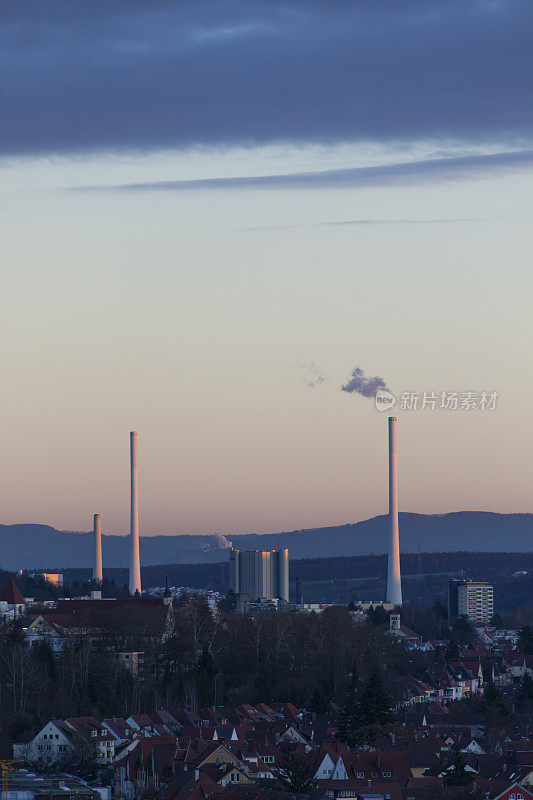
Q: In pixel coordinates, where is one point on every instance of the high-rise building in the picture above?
(472, 599)
(260, 574)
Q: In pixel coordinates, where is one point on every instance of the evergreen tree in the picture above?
(525, 640)
(452, 651)
(524, 695)
(374, 706)
(462, 629)
(349, 719)
(491, 694)
(109, 588)
(101, 684)
(440, 610)
(494, 705)
(43, 652)
(496, 621)
(377, 615)
(458, 775)
(355, 676)
(205, 679)
(295, 775)
(229, 602)
(366, 710)
(319, 700)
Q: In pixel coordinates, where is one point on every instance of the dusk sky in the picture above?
(212, 212)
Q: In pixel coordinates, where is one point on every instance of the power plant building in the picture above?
(260, 574)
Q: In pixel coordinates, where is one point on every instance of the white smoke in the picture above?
(223, 542)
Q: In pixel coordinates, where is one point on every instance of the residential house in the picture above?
(96, 736)
(52, 746)
(12, 604)
(143, 766)
(119, 729)
(493, 790)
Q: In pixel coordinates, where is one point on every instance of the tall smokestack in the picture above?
(96, 591)
(135, 563)
(97, 569)
(394, 578)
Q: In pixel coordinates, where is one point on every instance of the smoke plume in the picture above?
(362, 384)
(313, 375)
(223, 542)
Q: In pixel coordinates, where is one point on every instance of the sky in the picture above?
(213, 212)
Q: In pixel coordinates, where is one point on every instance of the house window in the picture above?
(360, 774)
(94, 733)
(387, 774)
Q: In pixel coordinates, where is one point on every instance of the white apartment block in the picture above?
(475, 600)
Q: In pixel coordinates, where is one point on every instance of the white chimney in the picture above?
(394, 578)
(97, 568)
(135, 563)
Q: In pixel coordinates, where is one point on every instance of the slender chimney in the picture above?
(135, 563)
(97, 570)
(394, 579)
(96, 591)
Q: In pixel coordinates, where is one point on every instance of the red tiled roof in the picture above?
(12, 594)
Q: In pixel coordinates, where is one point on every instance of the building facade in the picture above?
(260, 574)
(472, 599)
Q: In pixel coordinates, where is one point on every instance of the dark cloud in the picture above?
(82, 76)
(404, 173)
(359, 383)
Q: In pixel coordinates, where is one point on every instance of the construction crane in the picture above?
(7, 767)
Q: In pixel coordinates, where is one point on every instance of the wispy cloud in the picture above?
(360, 223)
(402, 173)
(137, 75)
(312, 375)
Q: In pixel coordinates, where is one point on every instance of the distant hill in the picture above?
(343, 578)
(34, 546)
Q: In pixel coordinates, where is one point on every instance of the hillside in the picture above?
(34, 546)
(342, 579)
